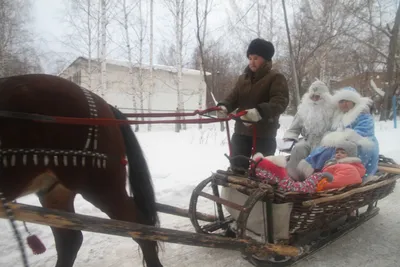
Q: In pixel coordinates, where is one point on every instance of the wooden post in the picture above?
(72, 221)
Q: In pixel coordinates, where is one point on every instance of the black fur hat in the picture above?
(261, 48)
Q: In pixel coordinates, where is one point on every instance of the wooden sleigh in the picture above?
(304, 221)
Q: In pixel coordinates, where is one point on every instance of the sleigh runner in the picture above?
(269, 226)
(303, 220)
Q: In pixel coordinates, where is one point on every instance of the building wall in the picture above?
(119, 89)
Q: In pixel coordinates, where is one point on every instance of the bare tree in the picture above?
(166, 56)
(17, 53)
(103, 42)
(316, 34)
(126, 12)
(222, 66)
(81, 21)
(294, 73)
(141, 36)
(151, 43)
(134, 23)
(179, 12)
(249, 19)
(382, 36)
(201, 29)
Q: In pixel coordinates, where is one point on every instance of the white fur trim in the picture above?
(278, 160)
(305, 168)
(351, 115)
(346, 95)
(257, 156)
(361, 104)
(318, 88)
(333, 139)
(349, 160)
(353, 136)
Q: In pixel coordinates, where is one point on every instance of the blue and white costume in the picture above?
(356, 125)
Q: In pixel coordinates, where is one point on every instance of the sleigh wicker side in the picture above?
(315, 211)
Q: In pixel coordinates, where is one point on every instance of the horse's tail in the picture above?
(139, 174)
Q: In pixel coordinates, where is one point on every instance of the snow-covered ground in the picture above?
(178, 162)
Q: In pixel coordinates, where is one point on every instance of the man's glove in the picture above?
(252, 115)
(222, 113)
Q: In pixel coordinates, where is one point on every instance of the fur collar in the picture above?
(345, 119)
(349, 160)
(261, 72)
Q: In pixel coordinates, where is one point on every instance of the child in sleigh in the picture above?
(344, 169)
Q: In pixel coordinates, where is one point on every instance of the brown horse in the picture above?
(58, 161)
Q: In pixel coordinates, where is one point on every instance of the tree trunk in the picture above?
(151, 89)
(103, 48)
(201, 42)
(179, 10)
(390, 65)
(141, 39)
(89, 67)
(129, 51)
(258, 19)
(294, 72)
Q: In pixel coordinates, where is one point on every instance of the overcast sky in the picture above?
(49, 15)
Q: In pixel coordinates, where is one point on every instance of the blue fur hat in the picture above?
(350, 94)
(349, 88)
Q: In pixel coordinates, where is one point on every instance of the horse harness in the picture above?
(85, 157)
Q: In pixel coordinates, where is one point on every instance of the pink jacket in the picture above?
(345, 172)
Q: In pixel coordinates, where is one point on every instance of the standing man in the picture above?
(263, 93)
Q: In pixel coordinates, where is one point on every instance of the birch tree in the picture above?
(180, 14)
(141, 37)
(201, 29)
(17, 54)
(126, 12)
(151, 89)
(134, 24)
(82, 21)
(103, 42)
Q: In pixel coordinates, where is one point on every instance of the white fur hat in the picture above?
(278, 160)
(318, 88)
(350, 94)
(348, 146)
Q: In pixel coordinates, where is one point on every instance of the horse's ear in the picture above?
(316, 79)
